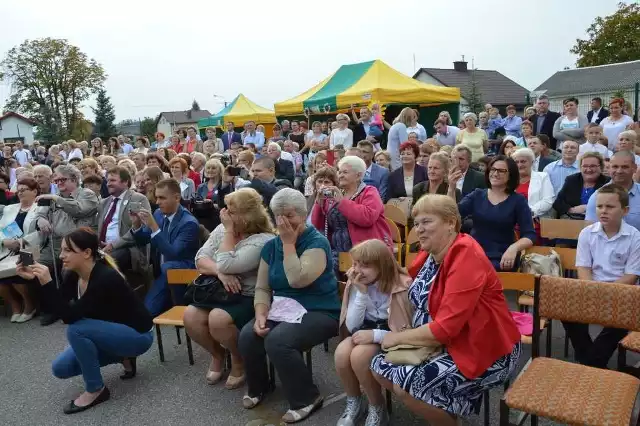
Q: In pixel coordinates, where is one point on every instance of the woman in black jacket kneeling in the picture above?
(107, 323)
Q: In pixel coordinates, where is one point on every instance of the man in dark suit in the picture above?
(375, 175)
(230, 136)
(173, 234)
(471, 179)
(597, 113)
(361, 130)
(544, 120)
(540, 162)
(283, 168)
(114, 221)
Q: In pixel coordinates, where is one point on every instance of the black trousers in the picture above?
(594, 353)
(68, 292)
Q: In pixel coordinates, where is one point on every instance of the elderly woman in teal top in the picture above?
(297, 307)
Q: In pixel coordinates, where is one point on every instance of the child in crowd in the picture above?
(375, 301)
(592, 144)
(608, 251)
(376, 125)
(94, 183)
(495, 121)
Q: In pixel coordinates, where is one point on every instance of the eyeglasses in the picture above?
(501, 172)
(590, 166)
(60, 180)
(21, 190)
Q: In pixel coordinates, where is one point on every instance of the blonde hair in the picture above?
(249, 214)
(89, 162)
(343, 117)
(405, 117)
(442, 206)
(444, 160)
(377, 254)
(214, 163)
(247, 156)
(129, 165)
(72, 144)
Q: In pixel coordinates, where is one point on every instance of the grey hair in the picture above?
(288, 197)
(70, 171)
(43, 168)
(627, 154)
(524, 152)
(463, 148)
(274, 145)
(199, 155)
(472, 116)
(357, 164)
(631, 134)
(285, 121)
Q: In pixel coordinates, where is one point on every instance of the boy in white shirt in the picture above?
(608, 251)
(594, 133)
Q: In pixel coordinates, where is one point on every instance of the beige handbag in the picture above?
(403, 204)
(410, 354)
(541, 264)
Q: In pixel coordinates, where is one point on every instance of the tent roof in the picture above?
(363, 83)
(240, 110)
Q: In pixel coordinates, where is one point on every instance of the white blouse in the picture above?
(341, 137)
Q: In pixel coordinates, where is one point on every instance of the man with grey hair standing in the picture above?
(544, 120)
(74, 207)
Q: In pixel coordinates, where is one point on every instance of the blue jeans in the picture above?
(94, 344)
(158, 298)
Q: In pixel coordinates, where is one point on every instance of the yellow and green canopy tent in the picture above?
(240, 110)
(363, 83)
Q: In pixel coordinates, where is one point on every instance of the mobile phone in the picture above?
(331, 157)
(234, 171)
(26, 258)
(44, 202)
(135, 206)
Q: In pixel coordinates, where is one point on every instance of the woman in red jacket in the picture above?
(460, 307)
(351, 213)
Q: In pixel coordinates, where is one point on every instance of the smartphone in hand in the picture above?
(26, 258)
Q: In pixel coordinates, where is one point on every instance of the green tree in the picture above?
(148, 128)
(612, 39)
(50, 80)
(473, 96)
(105, 115)
(195, 106)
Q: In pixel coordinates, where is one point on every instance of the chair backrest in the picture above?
(344, 261)
(395, 214)
(412, 238)
(181, 276)
(562, 228)
(567, 255)
(590, 302)
(517, 281)
(396, 237)
(341, 288)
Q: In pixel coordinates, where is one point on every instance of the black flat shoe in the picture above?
(130, 374)
(48, 319)
(72, 408)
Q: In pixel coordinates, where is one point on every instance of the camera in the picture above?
(44, 202)
(234, 171)
(327, 192)
(135, 207)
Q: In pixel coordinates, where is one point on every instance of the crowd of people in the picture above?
(268, 218)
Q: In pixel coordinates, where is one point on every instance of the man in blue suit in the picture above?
(230, 136)
(173, 234)
(375, 175)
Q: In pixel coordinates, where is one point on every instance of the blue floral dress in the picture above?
(438, 381)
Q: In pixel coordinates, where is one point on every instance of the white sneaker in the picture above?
(14, 317)
(377, 416)
(353, 412)
(26, 317)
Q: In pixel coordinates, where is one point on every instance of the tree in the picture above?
(612, 39)
(105, 115)
(82, 129)
(195, 106)
(50, 79)
(473, 96)
(148, 128)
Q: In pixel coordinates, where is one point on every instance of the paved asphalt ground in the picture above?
(169, 393)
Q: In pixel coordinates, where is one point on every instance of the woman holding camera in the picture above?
(205, 208)
(232, 254)
(108, 324)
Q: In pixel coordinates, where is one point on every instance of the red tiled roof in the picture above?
(16, 115)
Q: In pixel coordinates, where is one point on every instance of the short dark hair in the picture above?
(597, 99)
(121, 172)
(514, 175)
(171, 184)
(365, 144)
(94, 179)
(544, 139)
(571, 99)
(29, 183)
(266, 162)
(614, 188)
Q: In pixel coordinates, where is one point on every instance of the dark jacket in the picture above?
(472, 180)
(544, 161)
(359, 135)
(547, 126)
(571, 192)
(396, 189)
(285, 170)
(604, 113)
(423, 188)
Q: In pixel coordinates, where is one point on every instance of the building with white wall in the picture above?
(15, 127)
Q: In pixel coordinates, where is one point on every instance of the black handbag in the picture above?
(207, 291)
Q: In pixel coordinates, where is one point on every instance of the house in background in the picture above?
(493, 87)
(169, 121)
(15, 127)
(586, 83)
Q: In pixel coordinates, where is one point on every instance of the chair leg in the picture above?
(178, 335)
(622, 358)
(566, 346)
(388, 396)
(189, 348)
(307, 355)
(326, 346)
(159, 338)
(487, 408)
(504, 413)
(227, 359)
(549, 337)
(534, 420)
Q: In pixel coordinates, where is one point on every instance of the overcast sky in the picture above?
(160, 55)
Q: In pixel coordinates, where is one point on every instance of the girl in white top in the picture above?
(615, 123)
(75, 152)
(342, 135)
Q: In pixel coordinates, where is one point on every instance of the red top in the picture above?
(469, 311)
(195, 177)
(523, 189)
(415, 267)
